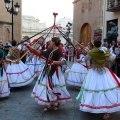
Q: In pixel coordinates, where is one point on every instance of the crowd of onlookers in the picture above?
(115, 48)
(6, 47)
(71, 53)
(22, 48)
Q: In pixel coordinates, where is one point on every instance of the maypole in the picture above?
(54, 14)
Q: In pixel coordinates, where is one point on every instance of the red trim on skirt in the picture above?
(17, 72)
(50, 101)
(99, 107)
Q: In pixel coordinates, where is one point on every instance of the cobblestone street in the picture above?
(20, 106)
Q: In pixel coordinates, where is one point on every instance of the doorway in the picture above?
(86, 34)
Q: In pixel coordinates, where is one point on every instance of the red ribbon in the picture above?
(35, 40)
(63, 50)
(114, 77)
(36, 53)
(49, 85)
(84, 65)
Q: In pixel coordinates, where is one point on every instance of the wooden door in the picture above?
(86, 34)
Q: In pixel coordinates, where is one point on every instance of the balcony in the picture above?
(113, 5)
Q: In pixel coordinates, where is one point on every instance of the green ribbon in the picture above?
(54, 85)
(97, 91)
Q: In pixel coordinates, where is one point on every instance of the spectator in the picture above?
(1, 44)
(113, 45)
(7, 47)
(118, 58)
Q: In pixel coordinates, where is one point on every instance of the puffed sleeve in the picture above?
(112, 57)
(87, 58)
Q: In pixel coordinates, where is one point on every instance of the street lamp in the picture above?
(13, 10)
(68, 26)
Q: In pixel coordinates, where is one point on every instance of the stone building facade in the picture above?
(87, 19)
(32, 26)
(111, 13)
(6, 23)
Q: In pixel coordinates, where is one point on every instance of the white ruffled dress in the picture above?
(4, 85)
(35, 65)
(19, 74)
(44, 96)
(100, 92)
(77, 73)
(38, 65)
(31, 65)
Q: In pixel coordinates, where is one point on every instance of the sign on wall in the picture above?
(98, 34)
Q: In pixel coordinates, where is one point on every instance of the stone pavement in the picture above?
(20, 106)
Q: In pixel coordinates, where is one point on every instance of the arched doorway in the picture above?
(86, 33)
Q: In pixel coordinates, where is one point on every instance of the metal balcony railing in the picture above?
(113, 5)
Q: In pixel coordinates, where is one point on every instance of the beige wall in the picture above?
(6, 22)
(110, 16)
(87, 11)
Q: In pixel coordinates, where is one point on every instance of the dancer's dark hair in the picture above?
(97, 43)
(56, 40)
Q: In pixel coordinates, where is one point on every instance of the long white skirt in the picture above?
(4, 86)
(35, 65)
(44, 96)
(38, 65)
(76, 75)
(100, 92)
(31, 66)
(19, 75)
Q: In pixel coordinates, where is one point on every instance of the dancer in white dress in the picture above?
(78, 72)
(31, 63)
(100, 91)
(38, 65)
(50, 88)
(18, 73)
(4, 84)
(35, 63)
(38, 61)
